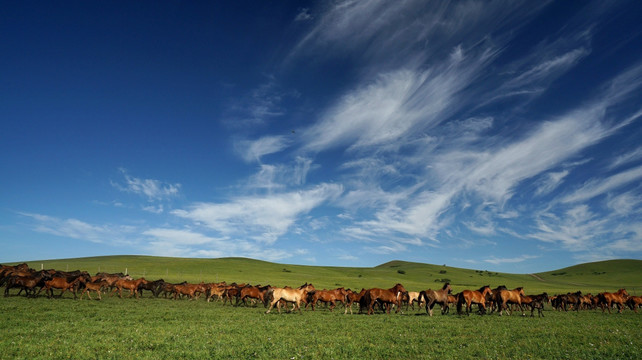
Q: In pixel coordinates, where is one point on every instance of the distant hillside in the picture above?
(590, 277)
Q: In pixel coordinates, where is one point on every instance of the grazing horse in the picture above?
(131, 285)
(619, 298)
(511, 297)
(329, 296)
(275, 295)
(432, 297)
(470, 297)
(388, 297)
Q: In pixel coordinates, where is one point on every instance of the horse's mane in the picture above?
(481, 289)
(445, 286)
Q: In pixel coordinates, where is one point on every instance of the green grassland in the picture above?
(159, 328)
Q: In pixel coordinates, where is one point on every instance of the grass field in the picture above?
(161, 328)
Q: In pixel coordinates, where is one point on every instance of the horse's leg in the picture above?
(429, 307)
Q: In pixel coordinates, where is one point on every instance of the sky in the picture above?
(493, 135)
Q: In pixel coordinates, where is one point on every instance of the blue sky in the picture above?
(499, 135)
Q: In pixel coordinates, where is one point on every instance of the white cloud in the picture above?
(512, 260)
(254, 150)
(550, 181)
(599, 187)
(80, 230)
(152, 189)
(263, 218)
(629, 157)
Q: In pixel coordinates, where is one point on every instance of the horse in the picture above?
(432, 297)
(253, 292)
(634, 302)
(190, 290)
(353, 297)
(289, 295)
(131, 285)
(153, 286)
(94, 286)
(511, 297)
(470, 297)
(385, 296)
(413, 297)
(535, 302)
(618, 298)
(329, 296)
(60, 283)
(26, 283)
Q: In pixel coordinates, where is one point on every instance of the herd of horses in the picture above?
(487, 300)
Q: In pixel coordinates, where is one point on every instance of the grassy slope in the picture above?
(590, 277)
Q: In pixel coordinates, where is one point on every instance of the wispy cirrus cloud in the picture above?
(81, 230)
(254, 150)
(499, 261)
(153, 189)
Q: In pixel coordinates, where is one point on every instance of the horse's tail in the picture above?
(460, 301)
(269, 294)
(422, 295)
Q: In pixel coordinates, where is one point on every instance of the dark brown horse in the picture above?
(634, 302)
(470, 297)
(609, 299)
(432, 297)
(26, 283)
(388, 297)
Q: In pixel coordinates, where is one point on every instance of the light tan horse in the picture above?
(511, 297)
(289, 295)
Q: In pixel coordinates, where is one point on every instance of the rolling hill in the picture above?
(589, 277)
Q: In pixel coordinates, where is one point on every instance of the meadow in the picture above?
(163, 328)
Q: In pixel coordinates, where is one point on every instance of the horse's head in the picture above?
(520, 290)
(447, 288)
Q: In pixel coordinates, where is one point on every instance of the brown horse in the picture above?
(26, 283)
(94, 286)
(131, 285)
(253, 292)
(190, 290)
(432, 297)
(511, 297)
(353, 297)
(329, 296)
(388, 297)
(275, 295)
(470, 297)
(634, 302)
(619, 298)
(62, 284)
